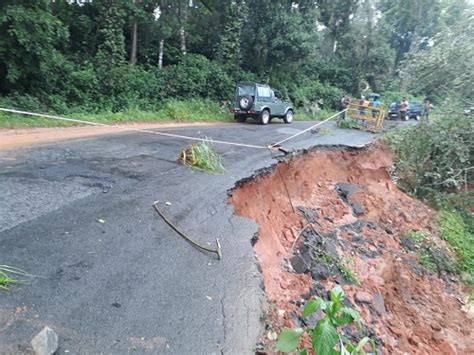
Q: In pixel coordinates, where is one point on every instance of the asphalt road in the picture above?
(131, 284)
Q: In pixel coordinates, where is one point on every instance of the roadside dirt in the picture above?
(15, 138)
(360, 217)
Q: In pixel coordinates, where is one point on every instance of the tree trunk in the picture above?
(182, 34)
(160, 54)
(133, 51)
(183, 18)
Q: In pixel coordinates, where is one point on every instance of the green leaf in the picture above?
(361, 345)
(311, 307)
(337, 295)
(304, 352)
(289, 340)
(348, 315)
(325, 337)
(344, 350)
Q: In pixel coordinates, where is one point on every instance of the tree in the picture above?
(447, 64)
(133, 50)
(364, 50)
(111, 49)
(335, 15)
(411, 21)
(29, 41)
(229, 48)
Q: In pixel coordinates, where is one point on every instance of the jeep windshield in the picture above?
(246, 90)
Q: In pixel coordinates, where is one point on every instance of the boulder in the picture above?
(45, 342)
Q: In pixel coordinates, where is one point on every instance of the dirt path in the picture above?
(15, 138)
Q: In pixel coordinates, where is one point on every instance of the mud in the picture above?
(346, 200)
(15, 138)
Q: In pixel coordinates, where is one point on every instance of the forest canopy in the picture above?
(102, 55)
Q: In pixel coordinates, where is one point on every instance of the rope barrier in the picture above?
(306, 130)
(171, 134)
(133, 129)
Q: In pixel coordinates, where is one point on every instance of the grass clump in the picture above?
(429, 255)
(348, 274)
(202, 156)
(455, 231)
(348, 123)
(8, 276)
(417, 236)
(425, 259)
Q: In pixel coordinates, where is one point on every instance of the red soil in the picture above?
(420, 313)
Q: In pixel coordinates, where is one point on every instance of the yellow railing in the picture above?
(368, 118)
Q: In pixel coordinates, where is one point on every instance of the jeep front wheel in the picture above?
(288, 118)
(265, 117)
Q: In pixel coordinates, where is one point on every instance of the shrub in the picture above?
(325, 338)
(455, 231)
(198, 77)
(434, 157)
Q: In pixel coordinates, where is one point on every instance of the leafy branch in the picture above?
(326, 339)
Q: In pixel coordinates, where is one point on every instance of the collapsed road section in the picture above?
(333, 216)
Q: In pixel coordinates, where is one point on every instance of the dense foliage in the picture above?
(435, 162)
(101, 55)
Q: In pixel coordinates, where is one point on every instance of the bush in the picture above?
(434, 162)
(434, 157)
(455, 231)
(198, 77)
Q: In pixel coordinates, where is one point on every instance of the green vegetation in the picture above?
(345, 271)
(434, 158)
(348, 123)
(202, 156)
(455, 231)
(429, 254)
(193, 110)
(145, 60)
(434, 161)
(425, 258)
(325, 337)
(333, 262)
(8, 278)
(417, 236)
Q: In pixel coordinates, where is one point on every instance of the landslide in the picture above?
(347, 225)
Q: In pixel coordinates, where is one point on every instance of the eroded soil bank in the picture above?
(346, 206)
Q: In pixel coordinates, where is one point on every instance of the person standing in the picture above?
(376, 106)
(427, 106)
(403, 109)
(344, 104)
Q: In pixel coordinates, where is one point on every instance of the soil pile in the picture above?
(347, 224)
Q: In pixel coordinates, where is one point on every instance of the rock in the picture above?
(320, 272)
(406, 217)
(271, 335)
(396, 331)
(363, 297)
(345, 189)
(379, 304)
(377, 280)
(46, 342)
(357, 208)
(301, 263)
(308, 213)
